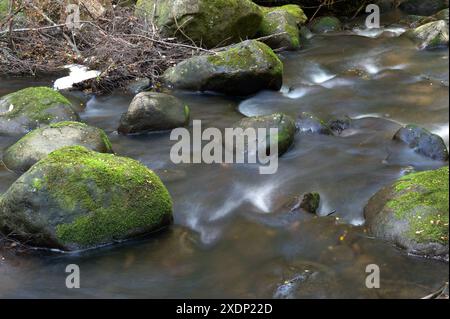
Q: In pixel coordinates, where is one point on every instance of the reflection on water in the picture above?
(230, 238)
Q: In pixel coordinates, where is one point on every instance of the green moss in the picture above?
(33, 102)
(207, 22)
(187, 113)
(423, 200)
(118, 194)
(67, 123)
(37, 184)
(243, 57)
(293, 9)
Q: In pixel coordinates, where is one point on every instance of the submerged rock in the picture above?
(207, 22)
(326, 24)
(338, 125)
(40, 142)
(241, 69)
(151, 111)
(27, 109)
(284, 123)
(423, 142)
(413, 213)
(308, 123)
(430, 35)
(76, 198)
(285, 20)
(423, 7)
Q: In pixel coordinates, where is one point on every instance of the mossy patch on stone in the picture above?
(32, 107)
(34, 101)
(413, 213)
(240, 69)
(424, 189)
(281, 29)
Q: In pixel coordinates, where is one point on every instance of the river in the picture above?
(231, 237)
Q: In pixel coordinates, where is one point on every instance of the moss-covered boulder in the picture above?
(280, 26)
(27, 109)
(431, 35)
(326, 24)
(413, 213)
(207, 22)
(423, 142)
(152, 111)
(423, 7)
(241, 69)
(285, 136)
(40, 142)
(76, 198)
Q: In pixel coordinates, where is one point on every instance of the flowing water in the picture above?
(232, 237)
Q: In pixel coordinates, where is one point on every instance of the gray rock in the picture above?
(206, 22)
(413, 213)
(40, 142)
(151, 111)
(308, 123)
(430, 35)
(284, 123)
(241, 69)
(423, 142)
(27, 109)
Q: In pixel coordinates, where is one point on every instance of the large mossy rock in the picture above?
(430, 35)
(413, 213)
(241, 69)
(37, 144)
(423, 142)
(206, 22)
(152, 111)
(76, 199)
(423, 7)
(27, 109)
(281, 26)
(285, 136)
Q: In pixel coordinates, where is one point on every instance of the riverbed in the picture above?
(232, 236)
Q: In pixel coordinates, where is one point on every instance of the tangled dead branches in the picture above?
(119, 44)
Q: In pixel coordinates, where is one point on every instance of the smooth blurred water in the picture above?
(231, 237)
